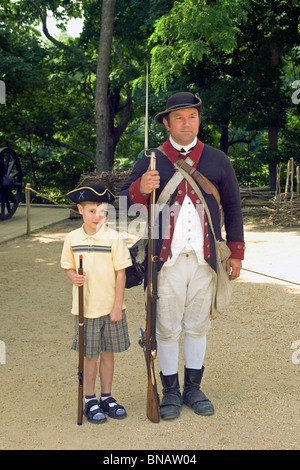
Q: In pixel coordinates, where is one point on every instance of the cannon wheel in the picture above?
(10, 182)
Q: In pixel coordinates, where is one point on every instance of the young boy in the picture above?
(105, 257)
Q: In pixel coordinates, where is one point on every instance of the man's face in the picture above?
(183, 125)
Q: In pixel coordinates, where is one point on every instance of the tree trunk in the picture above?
(104, 139)
(273, 127)
(224, 136)
(224, 143)
(124, 111)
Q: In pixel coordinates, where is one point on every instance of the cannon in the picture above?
(10, 182)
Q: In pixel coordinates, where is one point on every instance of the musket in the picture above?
(146, 113)
(81, 346)
(148, 337)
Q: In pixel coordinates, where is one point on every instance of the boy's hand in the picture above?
(116, 312)
(78, 279)
(115, 315)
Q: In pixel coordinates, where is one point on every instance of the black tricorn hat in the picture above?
(92, 193)
(180, 100)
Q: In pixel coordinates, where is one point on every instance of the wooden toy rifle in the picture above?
(81, 346)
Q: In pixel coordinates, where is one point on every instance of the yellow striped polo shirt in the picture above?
(103, 253)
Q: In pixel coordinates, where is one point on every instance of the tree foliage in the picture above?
(242, 56)
(238, 55)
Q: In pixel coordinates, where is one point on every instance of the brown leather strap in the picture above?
(204, 183)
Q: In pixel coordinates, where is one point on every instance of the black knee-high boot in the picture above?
(172, 400)
(193, 396)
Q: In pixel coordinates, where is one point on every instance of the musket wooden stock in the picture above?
(81, 346)
(150, 334)
(148, 338)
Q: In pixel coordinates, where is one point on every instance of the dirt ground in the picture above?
(251, 369)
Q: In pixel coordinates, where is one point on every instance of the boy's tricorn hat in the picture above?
(180, 100)
(92, 193)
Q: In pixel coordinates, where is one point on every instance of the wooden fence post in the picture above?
(27, 198)
(288, 170)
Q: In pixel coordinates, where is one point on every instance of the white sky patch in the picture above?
(74, 26)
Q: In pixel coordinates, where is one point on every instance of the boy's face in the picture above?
(93, 215)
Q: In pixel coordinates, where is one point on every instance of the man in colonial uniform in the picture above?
(186, 247)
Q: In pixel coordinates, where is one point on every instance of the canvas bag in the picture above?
(135, 273)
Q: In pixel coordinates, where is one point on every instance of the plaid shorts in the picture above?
(100, 334)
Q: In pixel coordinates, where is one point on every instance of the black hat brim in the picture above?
(159, 117)
(181, 100)
(95, 193)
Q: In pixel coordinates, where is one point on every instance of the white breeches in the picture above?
(185, 295)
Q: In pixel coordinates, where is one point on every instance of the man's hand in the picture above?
(149, 181)
(234, 267)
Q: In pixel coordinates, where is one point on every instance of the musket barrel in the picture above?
(146, 112)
